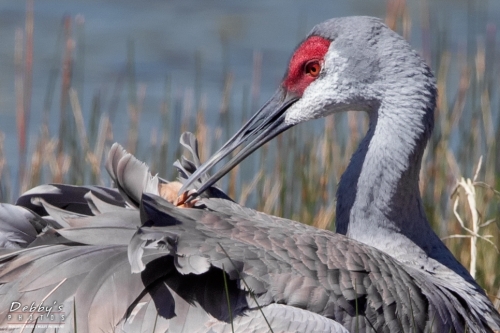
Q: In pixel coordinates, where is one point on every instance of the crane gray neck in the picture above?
(379, 189)
(378, 198)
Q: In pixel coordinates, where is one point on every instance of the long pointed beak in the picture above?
(267, 123)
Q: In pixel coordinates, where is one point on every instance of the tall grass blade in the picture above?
(227, 299)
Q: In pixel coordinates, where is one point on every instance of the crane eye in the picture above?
(312, 67)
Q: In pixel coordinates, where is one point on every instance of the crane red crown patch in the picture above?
(313, 48)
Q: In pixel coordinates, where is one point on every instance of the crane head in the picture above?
(336, 68)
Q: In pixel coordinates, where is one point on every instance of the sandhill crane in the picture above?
(129, 260)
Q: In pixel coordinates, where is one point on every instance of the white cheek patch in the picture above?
(321, 96)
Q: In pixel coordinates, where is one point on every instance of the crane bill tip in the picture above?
(186, 199)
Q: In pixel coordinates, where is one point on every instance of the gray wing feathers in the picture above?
(299, 265)
(96, 279)
(131, 176)
(68, 197)
(445, 302)
(280, 318)
(17, 226)
(98, 206)
(283, 318)
(104, 235)
(188, 141)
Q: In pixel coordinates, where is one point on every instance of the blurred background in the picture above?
(75, 76)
